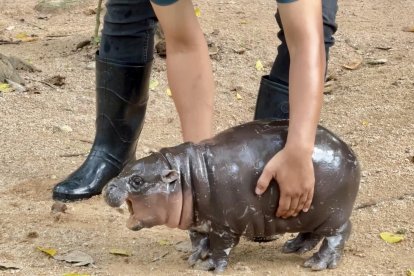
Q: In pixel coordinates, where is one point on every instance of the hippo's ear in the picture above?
(169, 176)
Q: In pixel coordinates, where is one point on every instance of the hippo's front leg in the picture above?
(331, 250)
(222, 241)
(200, 246)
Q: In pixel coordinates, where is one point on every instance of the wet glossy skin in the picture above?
(214, 193)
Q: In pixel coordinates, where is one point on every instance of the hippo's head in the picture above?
(151, 190)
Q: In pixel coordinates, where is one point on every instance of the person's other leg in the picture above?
(123, 68)
(189, 69)
(273, 97)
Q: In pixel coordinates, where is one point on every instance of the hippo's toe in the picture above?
(218, 266)
(302, 243)
(328, 256)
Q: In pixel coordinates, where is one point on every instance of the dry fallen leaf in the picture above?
(120, 252)
(391, 238)
(153, 84)
(49, 251)
(168, 92)
(410, 272)
(238, 96)
(16, 86)
(184, 246)
(259, 66)
(409, 29)
(197, 11)
(377, 61)
(353, 64)
(364, 122)
(78, 258)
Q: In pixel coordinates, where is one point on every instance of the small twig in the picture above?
(34, 25)
(98, 23)
(62, 35)
(160, 257)
(375, 203)
(86, 141)
(72, 155)
(44, 82)
(2, 42)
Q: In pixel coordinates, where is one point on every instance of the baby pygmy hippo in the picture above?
(208, 188)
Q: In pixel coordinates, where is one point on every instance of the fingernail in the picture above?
(258, 191)
(305, 210)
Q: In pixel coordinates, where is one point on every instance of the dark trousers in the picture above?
(129, 26)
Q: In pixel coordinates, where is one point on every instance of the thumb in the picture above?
(263, 181)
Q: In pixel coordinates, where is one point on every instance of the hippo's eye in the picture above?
(136, 180)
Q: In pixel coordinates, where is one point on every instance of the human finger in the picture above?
(301, 204)
(263, 182)
(293, 205)
(308, 202)
(284, 204)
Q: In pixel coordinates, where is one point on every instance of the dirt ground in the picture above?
(371, 108)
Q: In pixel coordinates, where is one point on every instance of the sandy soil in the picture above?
(372, 108)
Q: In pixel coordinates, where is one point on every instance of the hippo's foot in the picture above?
(302, 243)
(330, 253)
(220, 242)
(201, 247)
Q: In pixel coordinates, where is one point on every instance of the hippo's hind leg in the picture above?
(302, 243)
(221, 243)
(200, 246)
(331, 250)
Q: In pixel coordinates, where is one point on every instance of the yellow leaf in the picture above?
(391, 238)
(75, 274)
(5, 87)
(153, 84)
(21, 35)
(168, 92)
(259, 66)
(49, 251)
(238, 96)
(25, 38)
(164, 242)
(197, 11)
(120, 252)
(410, 272)
(364, 122)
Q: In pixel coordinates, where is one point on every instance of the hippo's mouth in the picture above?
(132, 222)
(129, 204)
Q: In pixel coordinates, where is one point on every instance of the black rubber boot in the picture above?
(272, 100)
(121, 100)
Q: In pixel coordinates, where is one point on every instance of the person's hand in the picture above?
(293, 171)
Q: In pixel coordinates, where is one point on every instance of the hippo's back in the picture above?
(234, 160)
